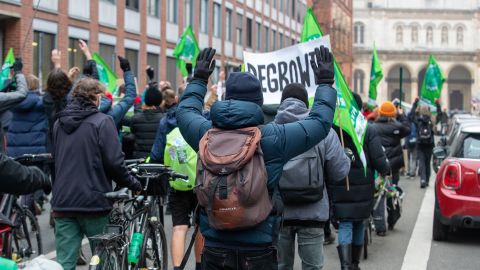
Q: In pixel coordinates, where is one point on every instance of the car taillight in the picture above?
(452, 176)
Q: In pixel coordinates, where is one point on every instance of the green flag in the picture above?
(432, 82)
(186, 50)
(348, 117)
(5, 73)
(105, 74)
(376, 76)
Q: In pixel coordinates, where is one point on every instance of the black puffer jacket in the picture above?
(357, 203)
(143, 126)
(391, 132)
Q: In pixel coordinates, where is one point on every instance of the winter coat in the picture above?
(336, 165)
(27, 133)
(87, 157)
(167, 124)
(52, 107)
(269, 112)
(421, 120)
(391, 132)
(356, 204)
(279, 144)
(18, 179)
(11, 99)
(143, 126)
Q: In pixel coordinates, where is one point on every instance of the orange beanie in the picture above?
(387, 109)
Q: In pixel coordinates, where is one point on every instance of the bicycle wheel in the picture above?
(154, 249)
(105, 259)
(27, 236)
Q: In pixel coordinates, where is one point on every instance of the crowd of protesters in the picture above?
(309, 177)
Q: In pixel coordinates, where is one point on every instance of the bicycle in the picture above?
(134, 214)
(20, 236)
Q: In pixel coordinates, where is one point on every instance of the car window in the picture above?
(470, 147)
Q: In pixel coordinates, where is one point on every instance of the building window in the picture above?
(172, 11)
(249, 33)
(399, 35)
(358, 33)
(172, 72)
(460, 35)
(280, 44)
(228, 24)
(152, 8)
(132, 57)
(217, 20)
(293, 8)
(274, 3)
(107, 52)
(153, 60)
(239, 29)
(43, 44)
(281, 5)
(75, 55)
(358, 77)
(444, 35)
(266, 39)
(274, 40)
(259, 36)
(415, 34)
(189, 6)
(131, 4)
(204, 16)
(429, 35)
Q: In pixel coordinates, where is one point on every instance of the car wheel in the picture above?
(440, 231)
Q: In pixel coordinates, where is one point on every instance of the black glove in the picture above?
(205, 64)
(45, 181)
(17, 65)
(88, 68)
(349, 153)
(150, 73)
(323, 66)
(136, 185)
(124, 64)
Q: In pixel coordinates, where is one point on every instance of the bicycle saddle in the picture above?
(4, 220)
(121, 194)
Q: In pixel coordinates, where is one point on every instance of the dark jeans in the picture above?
(237, 259)
(424, 159)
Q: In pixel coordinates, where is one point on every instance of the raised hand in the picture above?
(322, 66)
(84, 47)
(56, 58)
(150, 72)
(124, 64)
(205, 64)
(17, 65)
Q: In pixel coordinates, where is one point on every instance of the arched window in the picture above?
(399, 34)
(460, 35)
(358, 78)
(429, 35)
(444, 35)
(358, 33)
(414, 34)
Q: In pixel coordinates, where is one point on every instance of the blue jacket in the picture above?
(279, 143)
(118, 111)
(27, 133)
(167, 124)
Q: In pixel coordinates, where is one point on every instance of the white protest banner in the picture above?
(277, 69)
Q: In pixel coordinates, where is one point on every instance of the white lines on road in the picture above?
(53, 254)
(418, 250)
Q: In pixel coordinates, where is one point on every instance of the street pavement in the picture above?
(407, 247)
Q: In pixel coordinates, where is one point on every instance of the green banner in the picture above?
(349, 118)
(105, 74)
(186, 50)
(432, 82)
(5, 73)
(376, 75)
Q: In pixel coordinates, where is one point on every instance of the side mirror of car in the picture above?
(442, 141)
(440, 152)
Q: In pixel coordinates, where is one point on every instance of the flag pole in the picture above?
(341, 136)
(401, 85)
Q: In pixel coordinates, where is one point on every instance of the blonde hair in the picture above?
(425, 110)
(33, 83)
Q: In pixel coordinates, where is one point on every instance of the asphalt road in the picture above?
(390, 252)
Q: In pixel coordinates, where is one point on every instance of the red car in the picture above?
(457, 189)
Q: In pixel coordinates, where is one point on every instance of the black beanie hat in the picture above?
(153, 97)
(295, 90)
(358, 100)
(244, 86)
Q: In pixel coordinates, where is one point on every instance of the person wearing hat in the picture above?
(241, 108)
(392, 126)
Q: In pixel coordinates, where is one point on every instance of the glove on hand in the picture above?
(17, 65)
(150, 73)
(323, 66)
(205, 64)
(124, 64)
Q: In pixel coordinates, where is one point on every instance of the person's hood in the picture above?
(270, 109)
(291, 110)
(32, 102)
(234, 114)
(75, 113)
(170, 117)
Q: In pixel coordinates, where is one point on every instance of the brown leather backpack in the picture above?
(232, 179)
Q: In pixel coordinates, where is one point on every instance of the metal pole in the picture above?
(401, 85)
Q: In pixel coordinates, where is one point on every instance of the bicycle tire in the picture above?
(158, 240)
(107, 259)
(28, 226)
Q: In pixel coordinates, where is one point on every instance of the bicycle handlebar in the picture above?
(28, 159)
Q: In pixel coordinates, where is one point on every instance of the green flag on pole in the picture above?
(5, 73)
(349, 117)
(186, 50)
(105, 74)
(432, 82)
(376, 76)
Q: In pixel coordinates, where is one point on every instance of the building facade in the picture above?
(145, 31)
(405, 33)
(335, 19)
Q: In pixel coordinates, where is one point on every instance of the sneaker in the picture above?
(329, 239)
(382, 234)
(423, 184)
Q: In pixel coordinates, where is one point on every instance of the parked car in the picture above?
(457, 189)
